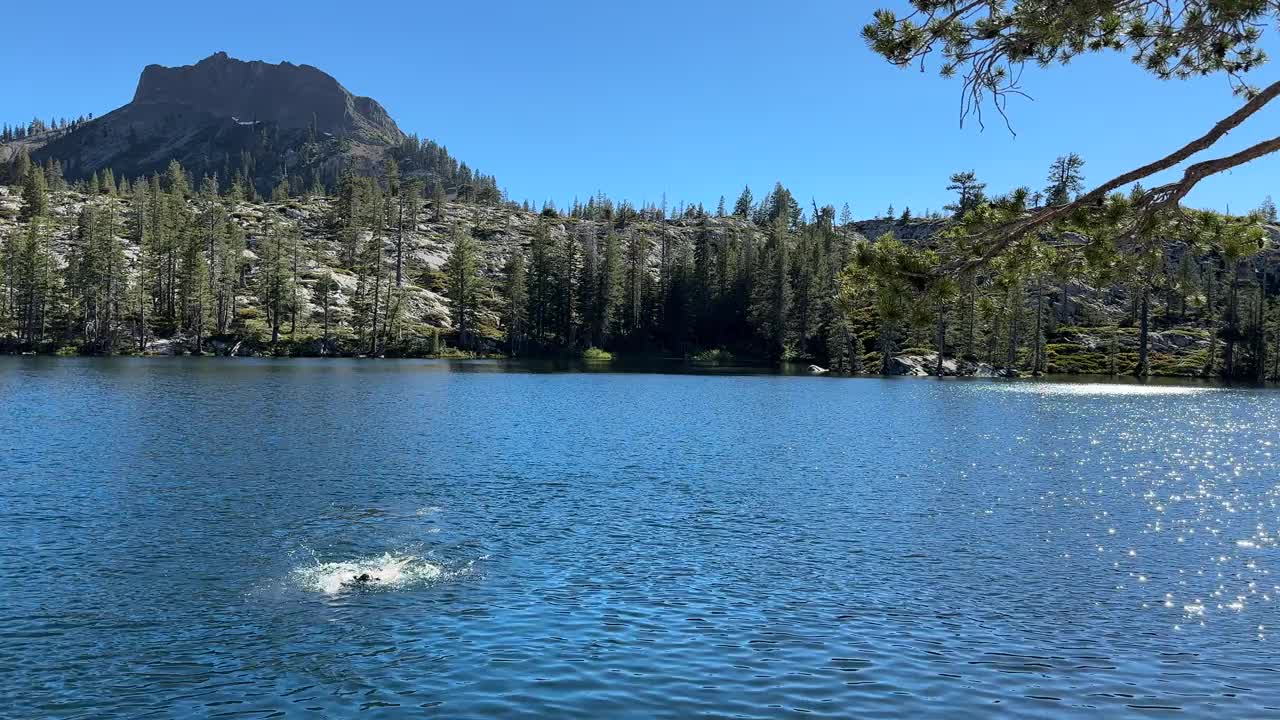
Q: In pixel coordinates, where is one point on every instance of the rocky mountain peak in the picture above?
(287, 95)
(252, 120)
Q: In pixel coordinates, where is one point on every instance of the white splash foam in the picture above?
(389, 571)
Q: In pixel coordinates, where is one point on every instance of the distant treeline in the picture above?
(163, 257)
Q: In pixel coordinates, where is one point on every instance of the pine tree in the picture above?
(326, 290)
(20, 167)
(34, 281)
(742, 208)
(1065, 181)
(370, 273)
(274, 278)
(516, 297)
(970, 192)
(462, 279)
(226, 272)
(565, 290)
(438, 199)
(54, 177)
(194, 299)
(771, 298)
(410, 199)
(1267, 210)
(35, 195)
(609, 294)
(142, 264)
(345, 217)
(588, 284)
(96, 278)
(541, 280)
(176, 182)
(637, 280)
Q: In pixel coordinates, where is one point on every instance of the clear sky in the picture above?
(562, 98)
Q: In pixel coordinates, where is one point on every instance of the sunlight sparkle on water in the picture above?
(1099, 389)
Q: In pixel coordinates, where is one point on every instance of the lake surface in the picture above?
(177, 538)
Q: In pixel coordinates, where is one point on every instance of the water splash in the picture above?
(389, 571)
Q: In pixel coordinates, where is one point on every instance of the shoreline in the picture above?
(659, 365)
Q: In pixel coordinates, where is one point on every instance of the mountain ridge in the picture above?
(248, 121)
(251, 91)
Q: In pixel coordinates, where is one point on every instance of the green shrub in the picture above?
(595, 353)
(719, 355)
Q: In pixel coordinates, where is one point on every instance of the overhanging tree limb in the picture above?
(994, 241)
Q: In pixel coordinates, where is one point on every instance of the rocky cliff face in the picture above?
(285, 95)
(911, 232)
(225, 116)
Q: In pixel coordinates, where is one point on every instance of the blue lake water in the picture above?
(178, 537)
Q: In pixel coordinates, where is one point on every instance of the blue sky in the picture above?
(695, 99)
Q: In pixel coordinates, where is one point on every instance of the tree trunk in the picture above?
(1210, 322)
(1260, 325)
(942, 337)
(886, 350)
(324, 347)
(1037, 365)
(1015, 317)
(377, 289)
(1275, 355)
(293, 306)
(1144, 367)
(142, 317)
(400, 246)
(1233, 322)
(972, 322)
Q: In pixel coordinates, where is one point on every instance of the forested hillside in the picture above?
(169, 263)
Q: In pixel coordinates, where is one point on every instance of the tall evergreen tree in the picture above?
(1065, 180)
(771, 299)
(462, 280)
(516, 299)
(35, 195)
(970, 193)
(541, 283)
(274, 277)
(609, 292)
(742, 208)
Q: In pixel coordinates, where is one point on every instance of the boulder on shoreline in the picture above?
(926, 365)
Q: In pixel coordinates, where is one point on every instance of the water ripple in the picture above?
(597, 545)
